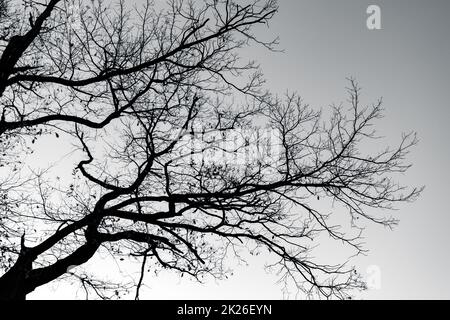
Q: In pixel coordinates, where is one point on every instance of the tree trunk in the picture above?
(13, 283)
(22, 279)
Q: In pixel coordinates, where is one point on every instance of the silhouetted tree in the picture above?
(183, 157)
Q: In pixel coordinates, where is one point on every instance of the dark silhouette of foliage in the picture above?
(147, 96)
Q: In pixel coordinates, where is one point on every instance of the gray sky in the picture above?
(407, 64)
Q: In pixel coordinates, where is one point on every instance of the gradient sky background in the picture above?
(407, 64)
